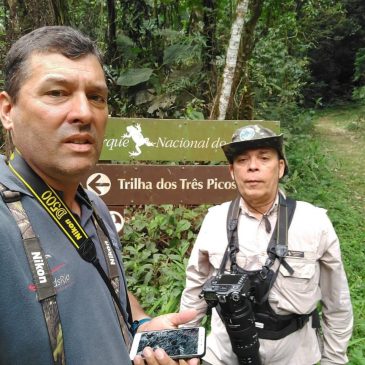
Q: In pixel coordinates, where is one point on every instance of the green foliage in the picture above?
(156, 246)
(279, 66)
(357, 125)
(360, 65)
(160, 84)
(91, 18)
(315, 178)
(304, 53)
(359, 76)
(336, 33)
(134, 76)
(278, 78)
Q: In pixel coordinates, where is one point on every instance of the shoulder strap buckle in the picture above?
(10, 196)
(281, 250)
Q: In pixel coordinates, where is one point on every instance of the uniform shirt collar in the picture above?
(272, 210)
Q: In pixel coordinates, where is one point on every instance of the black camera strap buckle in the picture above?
(281, 250)
(9, 196)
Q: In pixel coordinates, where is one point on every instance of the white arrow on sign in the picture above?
(117, 219)
(98, 183)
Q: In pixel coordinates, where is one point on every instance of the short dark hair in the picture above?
(65, 40)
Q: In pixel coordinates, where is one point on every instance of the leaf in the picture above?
(194, 114)
(123, 40)
(161, 102)
(175, 53)
(134, 76)
(183, 225)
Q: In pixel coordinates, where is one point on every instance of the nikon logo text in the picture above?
(110, 253)
(73, 229)
(39, 266)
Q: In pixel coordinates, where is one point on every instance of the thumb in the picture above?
(177, 319)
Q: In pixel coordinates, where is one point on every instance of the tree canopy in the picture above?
(166, 59)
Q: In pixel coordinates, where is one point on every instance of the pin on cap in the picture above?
(254, 136)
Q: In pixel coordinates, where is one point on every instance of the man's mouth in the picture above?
(80, 139)
(80, 143)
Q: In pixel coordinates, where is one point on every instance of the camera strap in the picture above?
(278, 244)
(41, 273)
(72, 229)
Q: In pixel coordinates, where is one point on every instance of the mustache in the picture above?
(79, 131)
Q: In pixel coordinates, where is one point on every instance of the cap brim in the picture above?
(233, 149)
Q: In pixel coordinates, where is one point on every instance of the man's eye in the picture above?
(56, 93)
(98, 98)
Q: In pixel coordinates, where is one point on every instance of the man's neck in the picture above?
(258, 209)
(72, 203)
(68, 190)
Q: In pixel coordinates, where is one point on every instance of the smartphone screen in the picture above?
(181, 343)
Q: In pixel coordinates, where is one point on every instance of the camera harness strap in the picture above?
(278, 326)
(278, 246)
(69, 225)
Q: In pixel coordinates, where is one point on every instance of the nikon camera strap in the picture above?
(42, 280)
(69, 225)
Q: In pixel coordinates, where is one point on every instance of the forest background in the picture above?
(294, 61)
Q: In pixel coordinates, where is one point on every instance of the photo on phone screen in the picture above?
(181, 343)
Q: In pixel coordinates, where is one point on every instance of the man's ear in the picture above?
(6, 106)
(281, 168)
(231, 171)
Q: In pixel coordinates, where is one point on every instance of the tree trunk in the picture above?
(210, 25)
(25, 16)
(234, 97)
(224, 94)
(112, 33)
(209, 51)
(243, 107)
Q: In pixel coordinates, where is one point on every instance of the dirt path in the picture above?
(348, 148)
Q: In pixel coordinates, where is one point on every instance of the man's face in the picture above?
(59, 119)
(257, 173)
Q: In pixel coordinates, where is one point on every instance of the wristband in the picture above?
(135, 325)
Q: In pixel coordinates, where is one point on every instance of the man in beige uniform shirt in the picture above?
(309, 271)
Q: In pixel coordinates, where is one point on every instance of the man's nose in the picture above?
(81, 111)
(252, 163)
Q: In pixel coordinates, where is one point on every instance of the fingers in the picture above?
(157, 357)
(193, 362)
(171, 320)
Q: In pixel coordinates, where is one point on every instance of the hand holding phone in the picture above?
(180, 343)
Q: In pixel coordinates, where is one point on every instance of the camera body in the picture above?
(226, 288)
(230, 294)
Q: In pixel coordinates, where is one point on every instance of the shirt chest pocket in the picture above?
(305, 277)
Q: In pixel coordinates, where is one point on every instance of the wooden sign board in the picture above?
(120, 185)
(136, 139)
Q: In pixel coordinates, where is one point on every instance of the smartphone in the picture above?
(180, 343)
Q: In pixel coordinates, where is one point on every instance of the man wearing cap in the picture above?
(291, 256)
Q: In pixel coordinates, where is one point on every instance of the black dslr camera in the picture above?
(230, 294)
